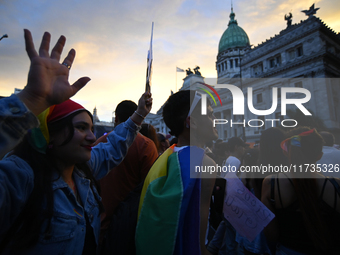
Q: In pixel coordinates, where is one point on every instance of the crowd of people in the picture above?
(304, 200)
(132, 191)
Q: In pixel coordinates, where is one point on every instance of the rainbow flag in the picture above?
(169, 208)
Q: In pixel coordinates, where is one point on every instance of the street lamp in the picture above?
(4, 36)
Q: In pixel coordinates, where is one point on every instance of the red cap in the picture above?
(63, 110)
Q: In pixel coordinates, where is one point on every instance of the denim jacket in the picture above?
(68, 225)
(15, 120)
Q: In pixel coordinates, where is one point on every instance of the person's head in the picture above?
(124, 110)
(328, 138)
(150, 132)
(304, 146)
(65, 135)
(250, 157)
(176, 110)
(237, 147)
(182, 115)
(218, 141)
(68, 132)
(270, 149)
(221, 149)
(163, 142)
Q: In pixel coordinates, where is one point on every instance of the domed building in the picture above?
(305, 55)
(232, 46)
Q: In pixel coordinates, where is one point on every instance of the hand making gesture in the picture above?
(47, 82)
(143, 108)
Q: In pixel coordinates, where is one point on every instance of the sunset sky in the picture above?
(112, 39)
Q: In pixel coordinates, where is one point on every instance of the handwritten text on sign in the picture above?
(247, 214)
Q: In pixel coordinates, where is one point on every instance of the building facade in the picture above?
(101, 127)
(302, 56)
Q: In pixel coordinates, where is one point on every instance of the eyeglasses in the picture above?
(197, 98)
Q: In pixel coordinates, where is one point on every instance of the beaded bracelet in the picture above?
(140, 115)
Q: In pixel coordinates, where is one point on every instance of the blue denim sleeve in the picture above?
(16, 185)
(106, 156)
(15, 120)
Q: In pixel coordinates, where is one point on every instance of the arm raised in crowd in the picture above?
(47, 85)
(47, 82)
(105, 156)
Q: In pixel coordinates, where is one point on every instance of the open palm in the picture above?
(47, 82)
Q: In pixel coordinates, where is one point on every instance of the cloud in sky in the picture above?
(112, 39)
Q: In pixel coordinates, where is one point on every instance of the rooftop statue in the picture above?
(289, 19)
(196, 70)
(312, 10)
(189, 71)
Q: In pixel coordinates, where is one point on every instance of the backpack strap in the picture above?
(291, 182)
(335, 184)
(278, 190)
(272, 190)
(323, 187)
(336, 189)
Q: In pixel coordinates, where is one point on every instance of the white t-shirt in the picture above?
(179, 148)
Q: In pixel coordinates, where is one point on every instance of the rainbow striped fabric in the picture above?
(169, 209)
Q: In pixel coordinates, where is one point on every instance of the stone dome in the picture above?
(233, 37)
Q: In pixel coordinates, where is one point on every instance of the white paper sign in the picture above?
(247, 214)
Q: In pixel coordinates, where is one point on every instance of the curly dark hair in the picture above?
(125, 109)
(176, 110)
(270, 149)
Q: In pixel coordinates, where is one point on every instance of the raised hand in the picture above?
(145, 104)
(47, 82)
(143, 109)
